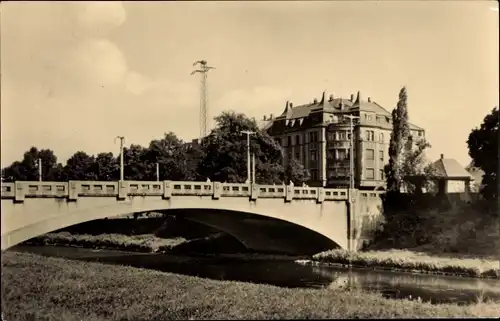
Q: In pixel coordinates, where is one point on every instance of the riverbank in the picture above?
(148, 243)
(394, 260)
(42, 288)
(410, 261)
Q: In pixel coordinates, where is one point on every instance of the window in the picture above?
(297, 140)
(331, 154)
(382, 175)
(342, 135)
(370, 154)
(348, 136)
(314, 155)
(341, 154)
(314, 174)
(368, 117)
(370, 174)
(289, 140)
(381, 137)
(381, 155)
(313, 137)
(370, 135)
(420, 133)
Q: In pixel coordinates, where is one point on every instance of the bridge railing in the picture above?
(73, 190)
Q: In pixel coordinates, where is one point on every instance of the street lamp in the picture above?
(157, 172)
(39, 169)
(351, 189)
(248, 133)
(122, 140)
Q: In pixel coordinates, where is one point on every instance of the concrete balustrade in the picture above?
(73, 190)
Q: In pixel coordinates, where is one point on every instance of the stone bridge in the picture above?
(251, 213)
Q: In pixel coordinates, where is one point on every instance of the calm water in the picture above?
(435, 289)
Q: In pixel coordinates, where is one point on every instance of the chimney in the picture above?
(271, 117)
(331, 98)
(369, 100)
(442, 156)
(264, 119)
(352, 97)
(315, 101)
(290, 104)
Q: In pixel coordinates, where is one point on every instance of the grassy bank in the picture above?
(41, 288)
(410, 261)
(137, 243)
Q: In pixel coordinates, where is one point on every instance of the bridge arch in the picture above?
(37, 216)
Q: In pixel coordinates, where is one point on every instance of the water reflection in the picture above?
(434, 289)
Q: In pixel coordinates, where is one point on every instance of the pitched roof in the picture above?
(336, 105)
(450, 168)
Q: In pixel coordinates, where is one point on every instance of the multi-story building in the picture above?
(318, 135)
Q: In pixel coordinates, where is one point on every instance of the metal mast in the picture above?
(203, 70)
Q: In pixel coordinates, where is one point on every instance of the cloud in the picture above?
(98, 18)
(258, 101)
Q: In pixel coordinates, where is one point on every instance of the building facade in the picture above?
(318, 136)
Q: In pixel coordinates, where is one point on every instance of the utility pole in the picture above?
(248, 133)
(157, 172)
(122, 141)
(253, 168)
(203, 95)
(351, 197)
(40, 169)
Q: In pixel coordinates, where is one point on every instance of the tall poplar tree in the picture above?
(399, 138)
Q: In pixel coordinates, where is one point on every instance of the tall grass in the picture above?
(413, 261)
(43, 288)
(138, 243)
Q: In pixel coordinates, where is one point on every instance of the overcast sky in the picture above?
(74, 76)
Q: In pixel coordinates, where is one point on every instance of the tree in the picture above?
(168, 152)
(483, 149)
(416, 172)
(81, 166)
(107, 167)
(225, 152)
(296, 173)
(137, 165)
(399, 136)
(27, 169)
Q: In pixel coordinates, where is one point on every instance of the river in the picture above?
(286, 273)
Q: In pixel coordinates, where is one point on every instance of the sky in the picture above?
(76, 75)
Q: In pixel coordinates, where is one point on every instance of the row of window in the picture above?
(370, 154)
(345, 173)
(291, 140)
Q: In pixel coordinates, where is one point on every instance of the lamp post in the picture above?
(157, 172)
(351, 188)
(248, 133)
(39, 169)
(351, 176)
(122, 140)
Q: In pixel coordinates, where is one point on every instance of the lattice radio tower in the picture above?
(203, 95)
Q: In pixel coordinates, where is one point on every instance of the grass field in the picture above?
(41, 288)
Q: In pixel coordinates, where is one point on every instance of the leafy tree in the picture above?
(27, 168)
(416, 172)
(225, 151)
(81, 166)
(107, 167)
(296, 173)
(399, 136)
(136, 164)
(483, 149)
(168, 152)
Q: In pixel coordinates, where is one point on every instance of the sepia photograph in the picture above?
(204, 160)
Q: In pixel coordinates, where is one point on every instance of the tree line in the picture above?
(222, 156)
